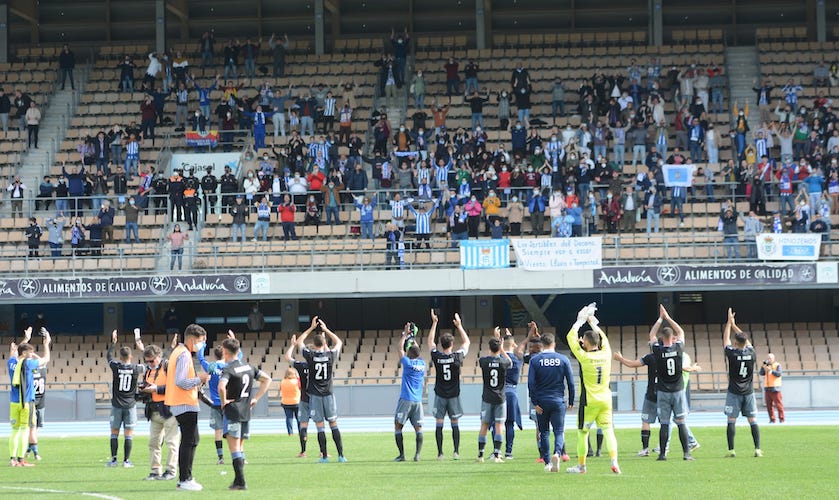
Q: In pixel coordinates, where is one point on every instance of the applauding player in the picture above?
(740, 398)
(494, 368)
(447, 364)
(409, 406)
(126, 374)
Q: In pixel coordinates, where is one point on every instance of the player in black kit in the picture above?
(447, 363)
(740, 398)
(235, 389)
(302, 368)
(123, 402)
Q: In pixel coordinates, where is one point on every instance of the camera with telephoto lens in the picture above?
(141, 396)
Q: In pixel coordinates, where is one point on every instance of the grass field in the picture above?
(796, 465)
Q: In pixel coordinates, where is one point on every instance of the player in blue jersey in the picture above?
(215, 369)
(516, 354)
(548, 377)
(409, 406)
(21, 365)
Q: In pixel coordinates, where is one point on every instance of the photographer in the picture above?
(163, 427)
(17, 191)
(771, 372)
(123, 391)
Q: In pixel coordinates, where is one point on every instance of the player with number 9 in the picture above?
(126, 374)
(447, 363)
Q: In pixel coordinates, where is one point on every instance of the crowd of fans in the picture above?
(581, 176)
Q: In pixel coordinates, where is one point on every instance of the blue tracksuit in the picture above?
(548, 377)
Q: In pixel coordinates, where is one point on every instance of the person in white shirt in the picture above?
(152, 71)
(16, 190)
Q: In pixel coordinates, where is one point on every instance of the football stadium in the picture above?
(419, 249)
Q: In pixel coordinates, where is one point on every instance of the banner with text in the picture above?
(134, 286)
(549, 254)
(205, 139)
(677, 175)
(199, 163)
(484, 254)
(788, 246)
(662, 276)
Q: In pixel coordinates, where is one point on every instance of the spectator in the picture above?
(653, 209)
(400, 54)
(515, 215)
(730, 232)
(106, 219)
(152, 71)
(239, 212)
(279, 47)
(471, 75)
(752, 228)
(95, 237)
(820, 225)
(611, 210)
(132, 215)
(126, 75)
(312, 216)
(5, 109)
(278, 105)
(452, 77)
(17, 191)
(78, 237)
(476, 105)
(717, 85)
(536, 207)
(821, 75)
(678, 194)
(231, 59)
(629, 203)
(287, 210)
(33, 237)
(366, 215)
(473, 209)
(423, 218)
(250, 51)
(393, 242)
(492, 211)
(22, 103)
(557, 99)
(33, 122)
(177, 239)
(46, 191)
(67, 62)
(55, 233)
(418, 90)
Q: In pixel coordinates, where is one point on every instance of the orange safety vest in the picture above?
(158, 378)
(770, 380)
(175, 396)
(290, 391)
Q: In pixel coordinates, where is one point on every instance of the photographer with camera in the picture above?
(771, 372)
(123, 393)
(163, 427)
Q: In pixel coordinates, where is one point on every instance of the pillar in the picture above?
(290, 313)
(160, 25)
(656, 23)
(821, 22)
(319, 36)
(480, 25)
(4, 33)
(112, 317)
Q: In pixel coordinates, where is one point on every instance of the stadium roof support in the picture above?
(180, 10)
(28, 11)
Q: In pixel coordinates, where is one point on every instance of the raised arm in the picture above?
(112, 346)
(47, 341)
(337, 344)
(464, 337)
(301, 340)
(138, 342)
(519, 350)
(726, 332)
(432, 332)
(289, 353)
(595, 325)
(631, 363)
(680, 332)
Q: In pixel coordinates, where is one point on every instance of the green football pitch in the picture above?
(795, 465)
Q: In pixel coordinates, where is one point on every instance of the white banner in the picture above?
(677, 175)
(558, 253)
(200, 162)
(788, 246)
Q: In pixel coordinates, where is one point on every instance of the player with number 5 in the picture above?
(447, 363)
(595, 357)
(126, 374)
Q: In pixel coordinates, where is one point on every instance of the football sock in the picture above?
(219, 449)
(13, 441)
(127, 445)
(683, 436)
(611, 442)
(729, 433)
(510, 436)
(645, 439)
(34, 448)
(23, 438)
(482, 442)
(303, 435)
(497, 445)
(339, 443)
(400, 444)
(322, 442)
(599, 439)
(663, 436)
(238, 467)
(419, 442)
(114, 446)
(582, 446)
(438, 435)
(456, 438)
(755, 435)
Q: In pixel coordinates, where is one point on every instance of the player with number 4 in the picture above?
(740, 358)
(447, 363)
(126, 374)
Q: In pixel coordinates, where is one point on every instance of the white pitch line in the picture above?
(47, 490)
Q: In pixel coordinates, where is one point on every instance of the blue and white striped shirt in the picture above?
(132, 149)
(423, 218)
(397, 209)
(329, 106)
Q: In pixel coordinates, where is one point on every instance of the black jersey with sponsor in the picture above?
(649, 362)
(240, 380)
(321, 365)
(303, 370)
(741, 369)
(39, 378)
(124, 382)
(447, 370)
(494, 371)
(668, 367)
